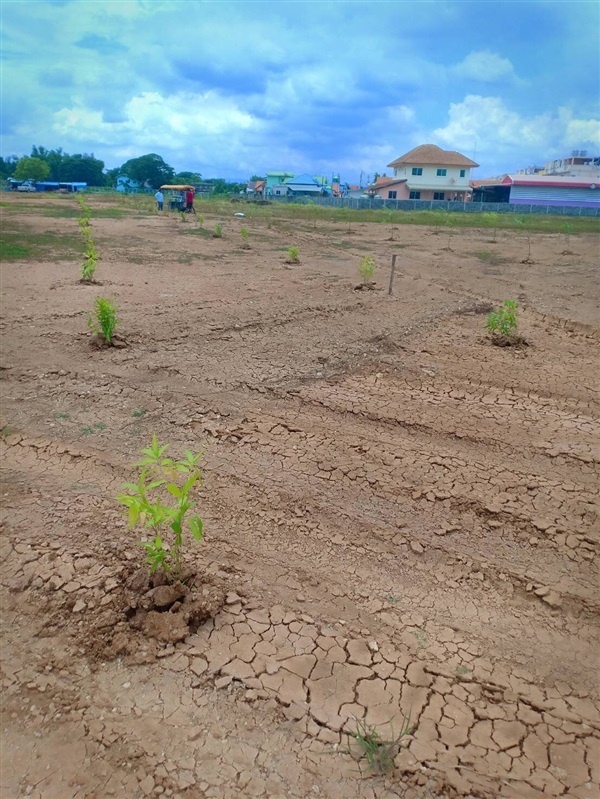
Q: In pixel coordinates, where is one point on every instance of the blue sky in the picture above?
(231, 88)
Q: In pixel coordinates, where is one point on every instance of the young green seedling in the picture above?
(245, 235)
(503, 322)
(366, 269)
(293, 255)
(103, 320)
(160, 501)
(218, 231)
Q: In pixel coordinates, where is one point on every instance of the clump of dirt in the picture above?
(365, 286)
(502, 340)
(100, 343)
(527, 261)
(169, 612)
(143, 614)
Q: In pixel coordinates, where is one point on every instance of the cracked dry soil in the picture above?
(401, 520)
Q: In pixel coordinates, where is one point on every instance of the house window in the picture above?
(392, 195)
(463, 172)
(438, 195)
(415, 195)
(417, 170)
(441, 173)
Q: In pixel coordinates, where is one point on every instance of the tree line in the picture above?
(148, 170)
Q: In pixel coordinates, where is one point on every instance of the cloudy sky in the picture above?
(235, 87)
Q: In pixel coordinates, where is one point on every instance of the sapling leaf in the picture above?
(197, 527)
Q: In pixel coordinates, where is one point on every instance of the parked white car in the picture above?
(26, 187)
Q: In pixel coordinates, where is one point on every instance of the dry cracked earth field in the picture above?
(401, 519)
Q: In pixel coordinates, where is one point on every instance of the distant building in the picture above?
(578, 165)
(256, 188)
(127, 185)
(277, 179)
(427, 173)
(552, 190)
(521, 189)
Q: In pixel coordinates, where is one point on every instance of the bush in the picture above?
(218, 231)
(294, 254)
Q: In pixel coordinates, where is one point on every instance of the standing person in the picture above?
(189, 199)
(159, 197)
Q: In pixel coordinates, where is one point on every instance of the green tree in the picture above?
(257, 177)
(150, 169)
(187, 177)
(53, 158)
(82, 168)
(8, 166)
(110, 177)
(31, 169)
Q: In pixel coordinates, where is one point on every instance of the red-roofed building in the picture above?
(539, 190)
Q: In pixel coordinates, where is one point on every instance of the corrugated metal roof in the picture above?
(550, 180)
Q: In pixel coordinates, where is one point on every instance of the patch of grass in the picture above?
(138, 412)
(12, 250)
(277, 212)
(421, 637)
(490, 258)
(462, 669)
(61, 417)
(89, 430)
(7, 431)
(26, 245)
(380, 753)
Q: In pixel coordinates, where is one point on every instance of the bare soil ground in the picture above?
(403, 518)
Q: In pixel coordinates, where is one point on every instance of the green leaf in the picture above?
(133, 516)
(197, 527)
(174, 489)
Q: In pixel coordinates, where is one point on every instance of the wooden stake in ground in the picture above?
(392, 273)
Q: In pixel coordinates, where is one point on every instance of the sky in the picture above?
(233, 88)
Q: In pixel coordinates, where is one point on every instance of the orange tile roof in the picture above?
(432, 154)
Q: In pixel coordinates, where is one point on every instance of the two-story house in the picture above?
(428, 173)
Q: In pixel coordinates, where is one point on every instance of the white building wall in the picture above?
(452, 181)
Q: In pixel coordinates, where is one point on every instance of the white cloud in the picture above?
(486, 67)
(500, 134)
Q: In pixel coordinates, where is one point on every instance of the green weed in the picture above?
(138, 413)
(218, 231)
(462, 670)
(62, 417)
(293, 254)
(160, 501)
(379, 753)
(245, 236)
(103, 320)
